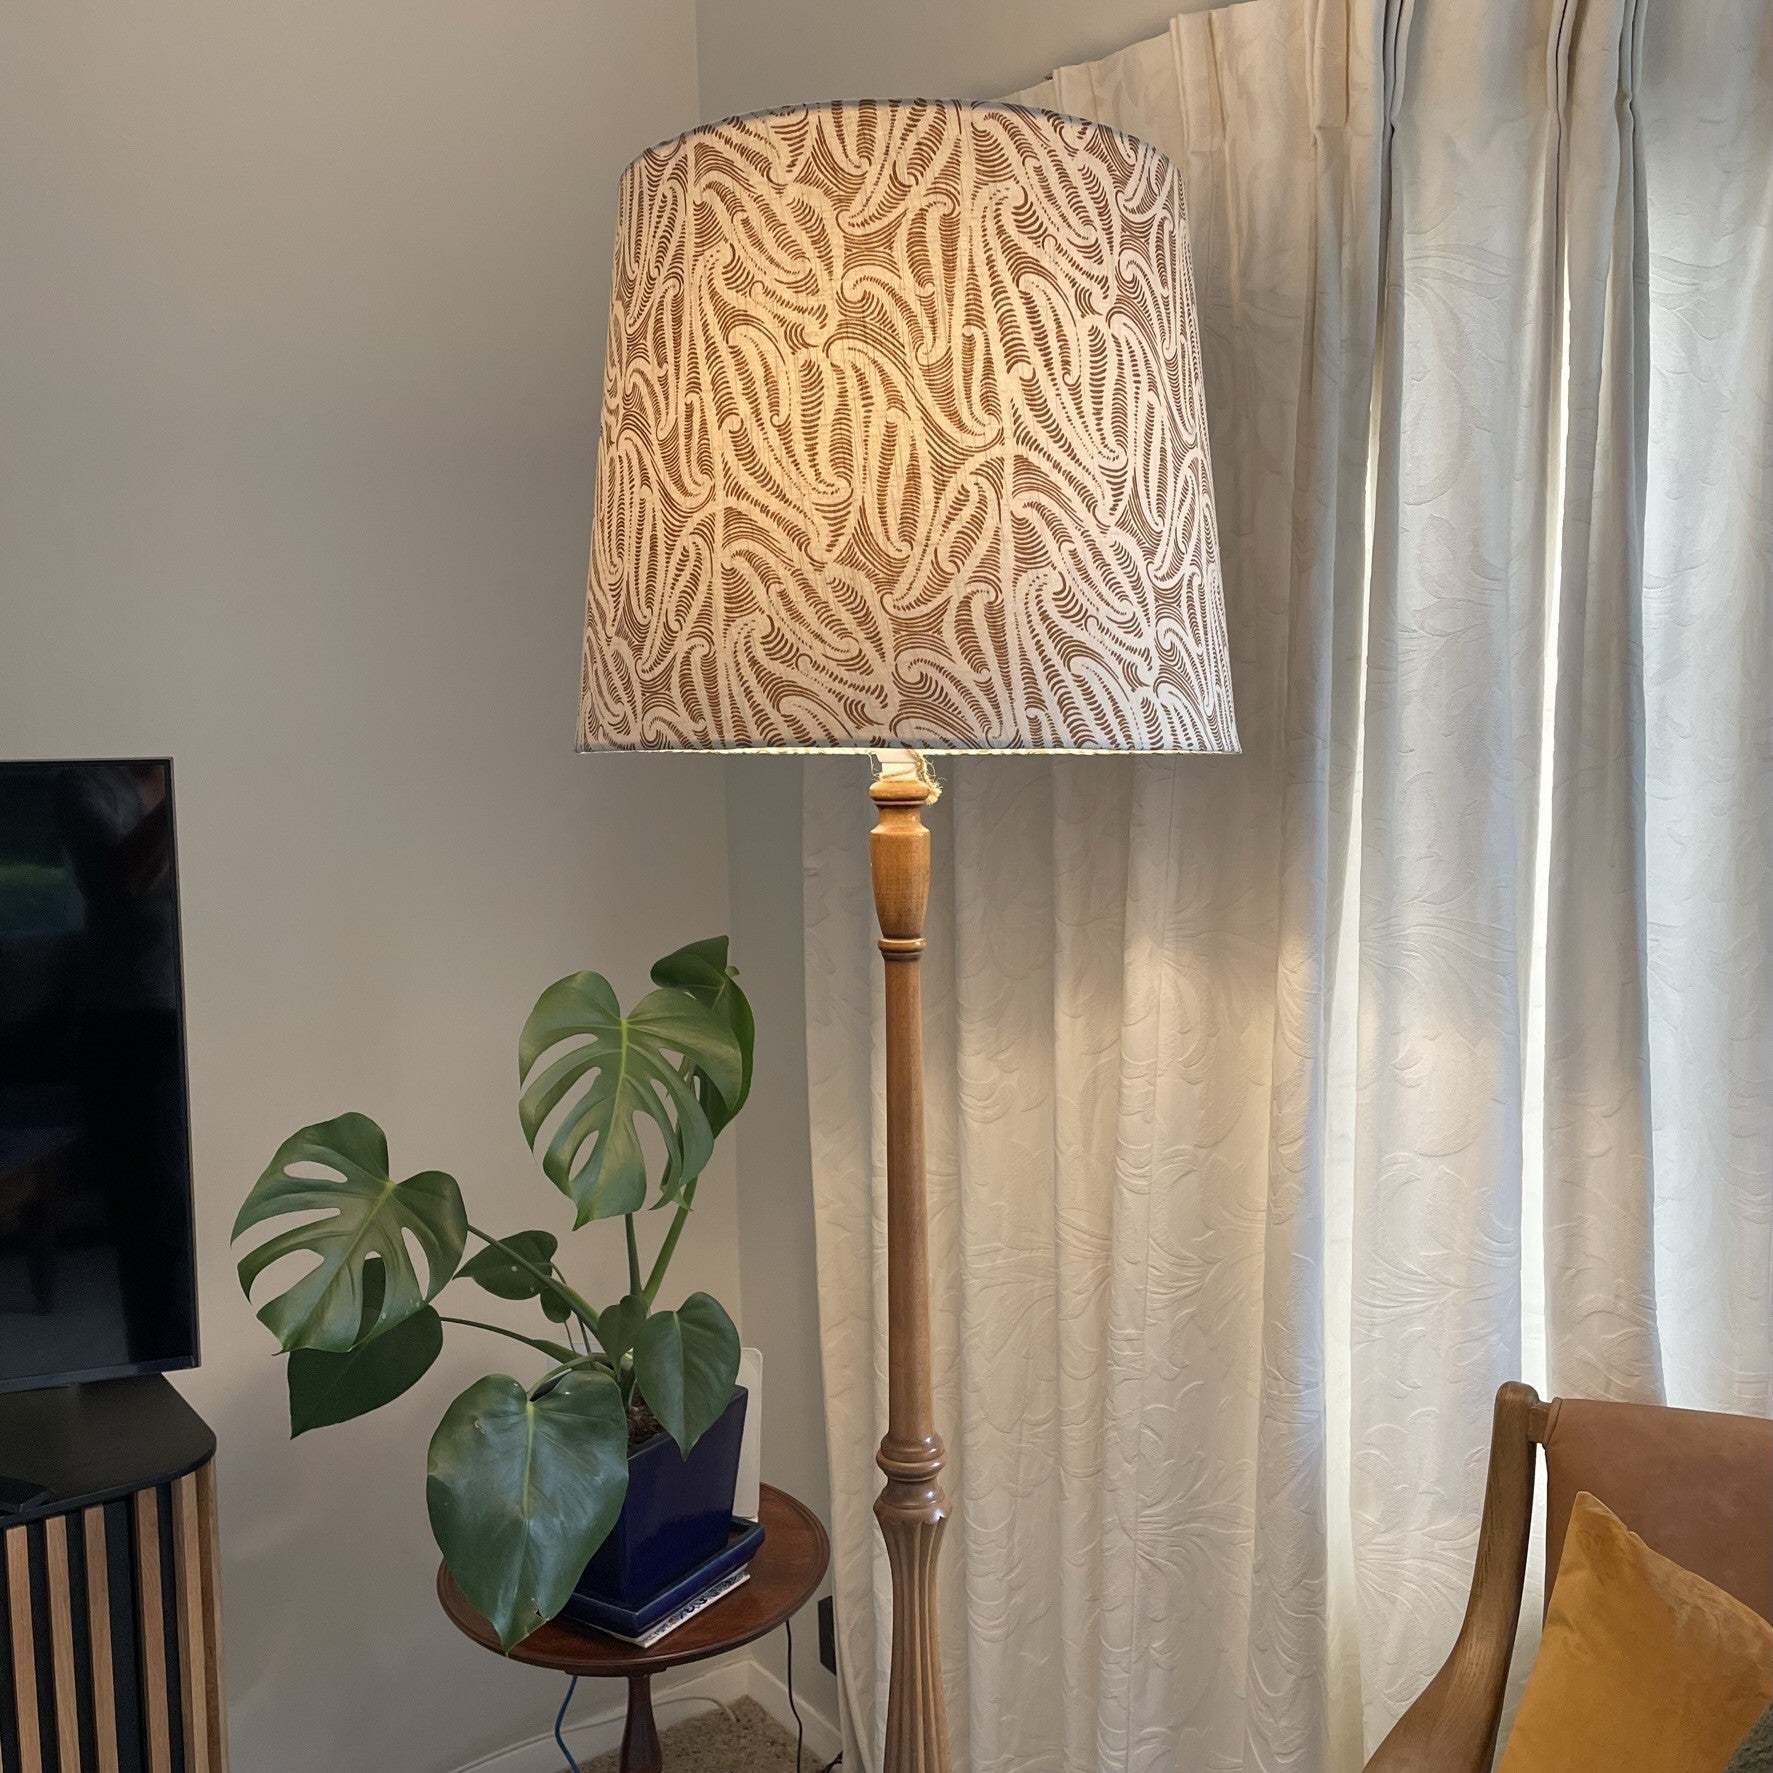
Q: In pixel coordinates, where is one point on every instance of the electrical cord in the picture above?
(836, 1760)
(799, 1727)
(572, 1686)
(707, 1699)
(566, 1755)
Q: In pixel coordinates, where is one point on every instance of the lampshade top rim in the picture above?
(824, 107)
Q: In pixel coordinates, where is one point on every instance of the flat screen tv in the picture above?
(97, 1277)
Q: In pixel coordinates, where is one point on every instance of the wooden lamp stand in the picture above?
(911, 1508)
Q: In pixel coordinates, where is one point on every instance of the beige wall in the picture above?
(301, 316)
(756, 53)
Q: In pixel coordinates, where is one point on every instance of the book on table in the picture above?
(675, 1605)
(682, 1615)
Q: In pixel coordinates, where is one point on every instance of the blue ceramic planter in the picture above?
(679, 1511)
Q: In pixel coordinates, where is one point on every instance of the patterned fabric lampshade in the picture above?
(904, 443)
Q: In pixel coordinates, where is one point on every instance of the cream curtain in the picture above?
(1281, 1107)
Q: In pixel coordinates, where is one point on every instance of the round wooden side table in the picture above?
(787, 1570)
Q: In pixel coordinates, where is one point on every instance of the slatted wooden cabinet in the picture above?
(110, 1607)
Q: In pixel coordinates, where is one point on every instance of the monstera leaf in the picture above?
(369, 1217)
(686, 1361)
(626, 1064)
(701, 969)
(522, 1490)
(494, 1269)
(619, 1324)
(327, 1388)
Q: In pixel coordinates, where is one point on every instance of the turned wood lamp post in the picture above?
(904, 450)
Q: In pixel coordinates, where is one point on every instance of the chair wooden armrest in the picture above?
(1452, 1726)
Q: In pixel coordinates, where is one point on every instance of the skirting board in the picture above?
(675, 1697)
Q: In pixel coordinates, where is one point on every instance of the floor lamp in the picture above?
(904, 450)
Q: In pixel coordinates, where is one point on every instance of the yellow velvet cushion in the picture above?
(1644, 1667)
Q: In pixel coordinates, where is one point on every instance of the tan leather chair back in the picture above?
(1696, 1487)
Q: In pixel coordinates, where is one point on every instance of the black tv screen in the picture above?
(96, 1263)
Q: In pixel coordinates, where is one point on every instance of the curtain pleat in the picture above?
(1706, 111)
(1256, 1087)
(1599, 1238)
(1466, 417)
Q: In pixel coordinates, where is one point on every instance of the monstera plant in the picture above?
(526, 1476)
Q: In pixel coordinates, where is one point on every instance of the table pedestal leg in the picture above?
(640, 1737)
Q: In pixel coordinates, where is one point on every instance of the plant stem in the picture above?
(657, 1278)
(633, 1255)
(587, 1312)
(551, 1349)
(556, 1373)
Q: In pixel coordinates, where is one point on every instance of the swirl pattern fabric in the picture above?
(904, 442)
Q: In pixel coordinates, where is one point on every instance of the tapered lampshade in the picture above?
(904, 443)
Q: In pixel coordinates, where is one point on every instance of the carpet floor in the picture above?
(743, 1738)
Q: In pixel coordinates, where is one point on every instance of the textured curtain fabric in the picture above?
(1282, 1106)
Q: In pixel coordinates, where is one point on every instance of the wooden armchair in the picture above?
(1698, 1488)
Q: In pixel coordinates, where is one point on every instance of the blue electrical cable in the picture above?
(566, 1754)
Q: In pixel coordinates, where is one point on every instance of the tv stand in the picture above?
(109, 1595)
